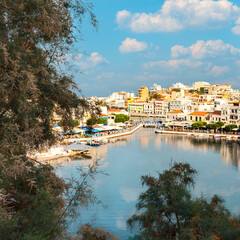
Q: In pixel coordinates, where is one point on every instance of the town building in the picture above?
(148, 108)
(136, 107)
(198, 116)
(143, 93)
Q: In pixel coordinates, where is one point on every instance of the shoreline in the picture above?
(46, 158)
(231, 137)
(106, 136)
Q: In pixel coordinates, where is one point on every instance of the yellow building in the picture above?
(143, 93)
(136, 107)
(198, 116)
(128, 100)
(199, 85)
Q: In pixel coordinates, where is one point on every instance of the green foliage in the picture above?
(213, 126)
(166, 210)
(101, 121)
(230, 127)
(155, 96)
(201, 92)
(121, 118)
(176, 90)
(199, 124)
(87, 232)
(91, 122)
(220, 124)
(193, 91)
(35, 37)
(69, 124)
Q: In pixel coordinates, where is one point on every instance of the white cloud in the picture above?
(91, 61)
(173, 65)
(201, 50)
(236, 30)
(130, 194)
(218, 70)
(237, 63)
(132, 45)
(176, 15)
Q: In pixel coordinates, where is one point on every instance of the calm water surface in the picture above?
(145, 152)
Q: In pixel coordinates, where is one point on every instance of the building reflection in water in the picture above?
(229, 151)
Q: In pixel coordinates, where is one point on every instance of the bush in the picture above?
(230, 127)
(212, 126)
(121, 118)
(91, 122)
(102, 120)
(167, 209)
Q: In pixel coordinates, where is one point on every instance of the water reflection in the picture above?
(127, 159)
(229, 151)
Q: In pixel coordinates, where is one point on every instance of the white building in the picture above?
(161, 108)
(156, 87)
(148, 108)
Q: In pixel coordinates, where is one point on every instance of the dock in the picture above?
(201, 134)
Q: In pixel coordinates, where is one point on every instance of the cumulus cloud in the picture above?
(176, 15)
(130, 194)
(209, 49)
(173, 65)
(237, 63)
(132, 45)
(218, 70)
(91, 61)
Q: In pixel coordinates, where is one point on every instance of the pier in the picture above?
(201, 134)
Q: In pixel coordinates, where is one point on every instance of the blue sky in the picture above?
(141, 42)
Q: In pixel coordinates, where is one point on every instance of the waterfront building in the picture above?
(161, 107)
(136, 107)
(176, 115)
(148, 108)
(234, 113)
(215, 116)
(198, 116)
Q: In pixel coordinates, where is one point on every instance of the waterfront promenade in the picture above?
(228, 136)
(114, 135)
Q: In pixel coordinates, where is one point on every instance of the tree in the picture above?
(220, 124)
(69, 124)
(102, 120)
(167, 210)
(199, 124)
(230, 127)
(87, 232)
(213, 126)
(155, 95)
(121, 118)
(35, 37)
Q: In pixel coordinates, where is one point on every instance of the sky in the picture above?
(142, 42)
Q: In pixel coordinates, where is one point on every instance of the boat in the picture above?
(205, 136)
(77, 149)
(94, 143)
(217, 136)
